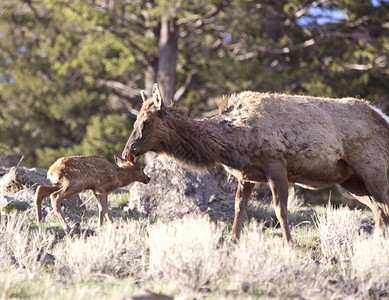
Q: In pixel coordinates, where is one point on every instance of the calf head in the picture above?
(135, 169)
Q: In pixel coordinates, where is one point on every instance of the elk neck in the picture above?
(198, 144)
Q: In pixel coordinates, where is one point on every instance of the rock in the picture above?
(21, 184)
(18, 179)
(4, 201)
(28, 195)
(245, 286)
(147, 295)
(3, 171)
(9, 203)
(174, 192)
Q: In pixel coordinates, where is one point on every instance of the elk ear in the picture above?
(143, 95)
(157, 96)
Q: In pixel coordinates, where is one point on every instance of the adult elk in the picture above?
(73, 174)
(274, 138)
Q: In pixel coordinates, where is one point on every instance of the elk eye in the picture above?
(145, 122)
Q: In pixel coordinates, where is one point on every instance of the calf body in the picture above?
(71, 175)
(261, 137)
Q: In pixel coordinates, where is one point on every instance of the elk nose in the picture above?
(130, 151)
(125, 153)
(147, 179)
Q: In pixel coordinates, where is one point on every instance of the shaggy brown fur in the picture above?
(261, 137)
(71, 175)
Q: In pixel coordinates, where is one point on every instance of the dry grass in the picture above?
(185, 253)
(113, 252)
(369, 267)
(192, 258)
(338, 230)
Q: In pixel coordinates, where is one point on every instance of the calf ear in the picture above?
(157, 97)
(143, 95)
(119, 161)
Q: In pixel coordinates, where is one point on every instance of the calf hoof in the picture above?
(74, 232)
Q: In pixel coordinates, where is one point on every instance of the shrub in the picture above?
(338, 230)
(113, 252)
(184, 252)
(370, 265)
(260, 259)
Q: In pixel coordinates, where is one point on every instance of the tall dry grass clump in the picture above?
(338, 230)
(118, 252)
(185, 252)
(370, 267)
(193, 258)
(266, 264)
(189, 256)
(21, 247)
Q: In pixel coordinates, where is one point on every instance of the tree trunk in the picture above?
(168, 41)
(150, 75)
(152, 61)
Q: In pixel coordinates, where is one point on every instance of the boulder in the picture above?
(174, 192)
(19, 186)
(27, 196)
(21, 178)
(8, 203)
(3, 171)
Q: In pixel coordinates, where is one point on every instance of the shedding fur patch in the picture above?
(229, 103)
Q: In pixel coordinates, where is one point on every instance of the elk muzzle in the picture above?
(131, 151)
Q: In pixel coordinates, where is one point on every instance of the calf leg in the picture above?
(42, 192)
(102, 198)
(278, 182)
(56, 200)
(242, 196)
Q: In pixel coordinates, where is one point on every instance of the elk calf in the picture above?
(71, 175)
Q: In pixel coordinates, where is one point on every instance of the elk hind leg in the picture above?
(372, 175)
(356, 187)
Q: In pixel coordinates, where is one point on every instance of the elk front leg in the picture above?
(278, 182)
(242, 196)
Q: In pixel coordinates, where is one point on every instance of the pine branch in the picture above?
(122, 89)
